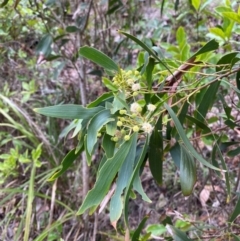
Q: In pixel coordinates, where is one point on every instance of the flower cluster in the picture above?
(139, 117)
(134, 121)
(127, 81)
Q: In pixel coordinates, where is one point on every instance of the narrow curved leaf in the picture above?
(155, 154)
(66, 163)
(207, 101)
(137, 186)
(158, 51)
(162, 6)
(108, 145)
(135, 172)
(145, 47)
(232, 15)
(106, 176)
(102, 162)
(69, 111)
(101, 100)
(218, 32)
(234, 152)
(72, 29)
(224, 165)
(235, 212)
(226, 107)
(119, 102)
(236, 238)
(156, 229)
(88, 155)
(98, 57)
(181, 37)
(149, 72)
(183, 113)
(136, 234)
(44, 45)
(140, 43)
(222, 9)
(227, 61)
(186, 140)
(116, 204)
(188, 172)
(109, 84)
(238, 80)
(111, 127)
(196, 4)
(198, 123)
(175, 152)
(177, 234)
(95, 124)
(145, 63)
(209, 46)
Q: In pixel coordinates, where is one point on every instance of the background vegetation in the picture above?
(184, 59)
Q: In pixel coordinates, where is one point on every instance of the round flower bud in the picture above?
(136, 73)
(122, 112)
(147, 127)
(115, 139)
(130, 82)
(119, 123)
(135, 108)
(151, 107)
(135, 128)
(99, 134)
(135, 93)
(129, 73)
(127, 138)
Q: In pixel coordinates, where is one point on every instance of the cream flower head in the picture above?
(151, 107)
(147, 127)
(135, 108)
(136, 87)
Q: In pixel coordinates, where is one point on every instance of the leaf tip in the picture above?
(114, 224)
(52, 178)
(80, 211)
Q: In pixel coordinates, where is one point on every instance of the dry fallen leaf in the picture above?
(205, 193)
(204, 196)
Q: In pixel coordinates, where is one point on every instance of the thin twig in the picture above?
(95, 226)
(53, 197)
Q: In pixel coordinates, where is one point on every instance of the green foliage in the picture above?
(188, 175)
(66, 163)
(156, 154)
(160, 106)
(69, 111)
(235, 212)
(98, 58)
(177, 234)
(133, 108)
